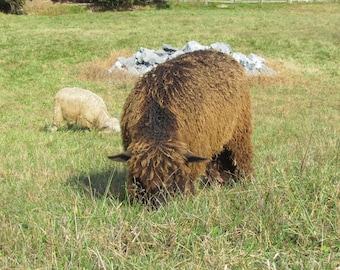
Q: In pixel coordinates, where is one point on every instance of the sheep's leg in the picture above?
(234, 162)
(241, 146)
(83, 122)
(240, 152)
(242, 157)
(58, 117)
(221, 168)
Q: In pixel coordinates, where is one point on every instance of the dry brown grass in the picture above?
(284, 76)
(97, 70)
(47, 7)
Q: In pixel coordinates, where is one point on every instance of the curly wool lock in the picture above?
(188, 116)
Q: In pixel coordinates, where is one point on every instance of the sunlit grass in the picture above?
(63, 203)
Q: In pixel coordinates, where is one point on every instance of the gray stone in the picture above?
(127, 62)
(192, 46)
(260, 65)
(257, 60)
(145, 59)
(247, 63)
(222, 47)
(152, 58)
(169, 48)
(117, 65)
(142, 69)
(175, 54)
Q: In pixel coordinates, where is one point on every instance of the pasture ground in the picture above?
(62, 201)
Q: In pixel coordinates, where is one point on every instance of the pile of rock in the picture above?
(146, 59)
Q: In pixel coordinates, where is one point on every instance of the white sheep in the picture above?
(83, 108)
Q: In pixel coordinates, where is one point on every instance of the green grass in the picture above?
(58, 210)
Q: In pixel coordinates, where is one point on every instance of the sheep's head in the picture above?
(112, 125)
(156, 171)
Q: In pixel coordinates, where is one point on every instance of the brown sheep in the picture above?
(187, 116)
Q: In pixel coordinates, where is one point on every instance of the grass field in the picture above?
(62, 201)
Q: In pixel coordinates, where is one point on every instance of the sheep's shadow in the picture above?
(110, 183)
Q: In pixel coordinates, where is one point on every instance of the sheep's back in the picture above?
(199, 96)
(76, 101)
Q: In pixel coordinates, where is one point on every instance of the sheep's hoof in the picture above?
(52, 129)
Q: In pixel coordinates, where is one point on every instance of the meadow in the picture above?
(63, 203)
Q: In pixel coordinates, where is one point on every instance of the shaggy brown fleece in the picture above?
(185, 117)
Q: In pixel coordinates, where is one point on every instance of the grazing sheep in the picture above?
(185, 117)
(83, 108)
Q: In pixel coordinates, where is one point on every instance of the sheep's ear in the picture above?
(190, 157)
(122, 157)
